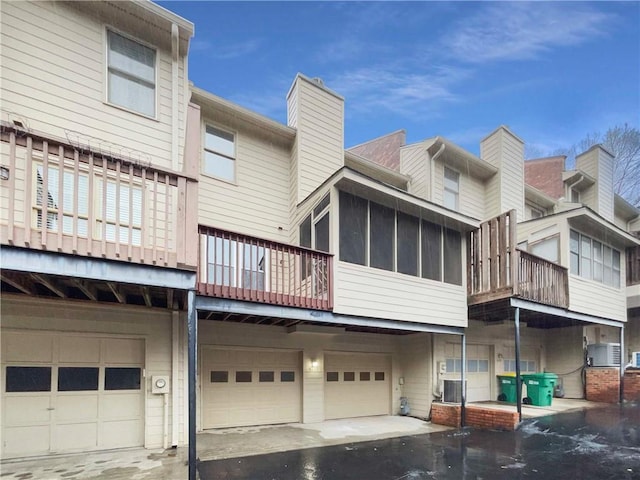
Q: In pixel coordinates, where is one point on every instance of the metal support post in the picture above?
(192, 322)
(518, 380)
(463, 386)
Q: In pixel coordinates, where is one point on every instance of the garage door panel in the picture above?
(76, 436)
(76, 407)
(121, 434)
(27, 409)
(266, 399)
(362, 396)
(124, 351)
(65, 411)
(26, 440)
(121, 405)
(85, 351)
(26, 347)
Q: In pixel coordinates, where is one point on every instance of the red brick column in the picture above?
(632, 385)
(603, 384)
(445, 414)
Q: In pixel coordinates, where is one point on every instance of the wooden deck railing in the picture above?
(241, 267)
(633, 266)
(541, 281)
(496, 269)
(62, 198)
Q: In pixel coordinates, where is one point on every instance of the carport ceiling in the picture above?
(287, 322)
(59, 287)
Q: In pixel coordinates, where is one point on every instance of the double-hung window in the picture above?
(451, 192)
(219, 153)
(131, 74)
(594, 260)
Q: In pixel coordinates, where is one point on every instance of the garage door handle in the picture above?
(50, 408)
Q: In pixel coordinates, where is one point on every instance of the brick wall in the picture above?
(632, 385)
(478, 417)
(445, 414)
(488, 419)
(603, 384)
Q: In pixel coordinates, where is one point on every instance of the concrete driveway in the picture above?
(600, 443)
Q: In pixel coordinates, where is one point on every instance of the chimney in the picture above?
(505, 190)
(599, 164)
(317, 113)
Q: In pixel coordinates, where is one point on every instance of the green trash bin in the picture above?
(540, 388)
(508, 390)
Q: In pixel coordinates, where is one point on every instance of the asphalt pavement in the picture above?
(600, 443)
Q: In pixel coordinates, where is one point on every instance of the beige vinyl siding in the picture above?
(594, 298)
(53, 76)
(471, 199)
(152, 325)
(490, 149)
(370, 292)
(416, 365)
(318, 117)
(505, 190)
(565, 357)
(414, 162)
(598, 164)
(257, 204)
(313, 347)
(620, 222)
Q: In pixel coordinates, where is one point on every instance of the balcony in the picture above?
(240, 267)
(68, 199)
(497, 269)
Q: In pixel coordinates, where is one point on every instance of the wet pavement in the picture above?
(601, 443)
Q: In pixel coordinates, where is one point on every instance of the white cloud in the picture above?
(397, 89)
(515, 31)
(227, 52)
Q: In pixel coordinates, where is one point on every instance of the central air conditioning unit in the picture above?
(604, 354)
(452, 391)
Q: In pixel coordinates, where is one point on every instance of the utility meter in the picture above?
(159, 384)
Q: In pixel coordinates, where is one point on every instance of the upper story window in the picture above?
(451, 189)
(574, 195)
(219, 153)
(594, 260)
(131, 72)
(380, 237)
(314, 229)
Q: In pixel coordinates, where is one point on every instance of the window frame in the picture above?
(107, 69)
(204, 150)
(446, 189)
(615, 282)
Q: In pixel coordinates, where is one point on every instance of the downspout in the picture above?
(518, 376)
(175, 104)
(463, 381)
(431, 169)
(192, 327)
(622, 363)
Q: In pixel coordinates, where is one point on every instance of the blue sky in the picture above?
(552, 72)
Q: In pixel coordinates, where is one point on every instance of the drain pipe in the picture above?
(518, 383)
(622, 364)
(192, 325)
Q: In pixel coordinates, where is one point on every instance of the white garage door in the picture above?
(478, 369)
(356, 385)
(66, 393)
(250, 387)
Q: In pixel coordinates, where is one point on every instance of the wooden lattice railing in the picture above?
(497, 269)
(59, 197)
(242, 267)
